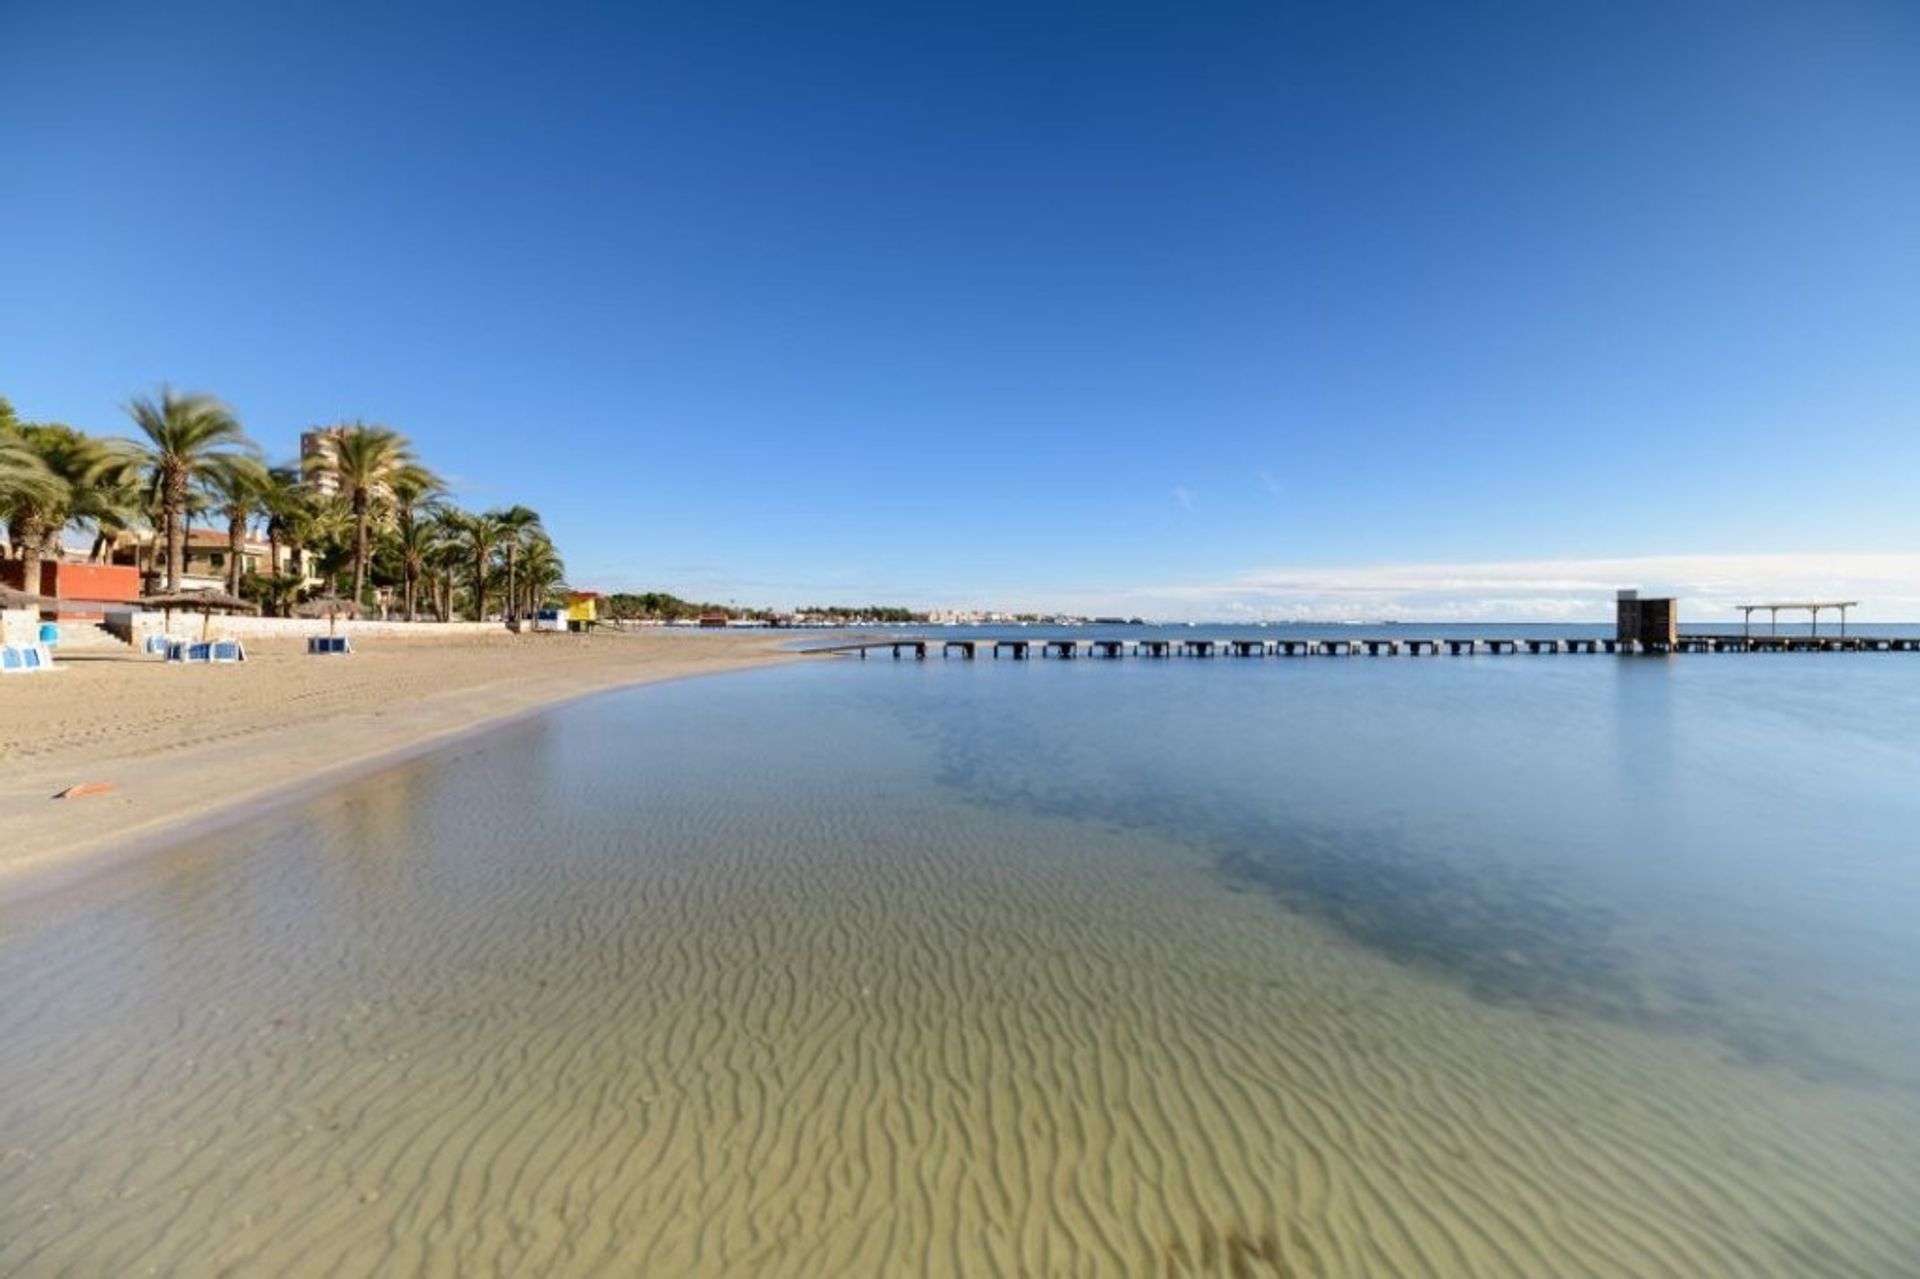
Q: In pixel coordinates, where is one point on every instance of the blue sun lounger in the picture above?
(322, 644)
(214, 651)
(20, 659)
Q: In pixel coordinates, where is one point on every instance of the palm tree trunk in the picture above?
(297, 552)
(28, 543)
(175, 506)
(273, 564)
(236, 541)
(513, 594)
(480, 586)
(359, 543)
(27, 539)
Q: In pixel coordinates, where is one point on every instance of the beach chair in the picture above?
(156, 646)
(227, 650)
(187, 651)
(321, 645)
(22, 659)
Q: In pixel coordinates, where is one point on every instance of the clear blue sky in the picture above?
(1003, 303)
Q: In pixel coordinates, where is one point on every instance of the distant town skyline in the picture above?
(1210, 311)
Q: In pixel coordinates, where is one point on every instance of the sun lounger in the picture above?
(156, 645)
(227, 650)
(322, 644)
(20, 659)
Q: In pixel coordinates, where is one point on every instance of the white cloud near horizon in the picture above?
(1707, 586)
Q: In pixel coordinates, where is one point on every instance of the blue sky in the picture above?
(1168, 308)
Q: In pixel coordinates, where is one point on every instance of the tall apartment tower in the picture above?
(319, 444)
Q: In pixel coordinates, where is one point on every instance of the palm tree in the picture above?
(330, 534)
(542, 572)
(415, 532)
(517, 524)
(23, 476)
(67, 486)
(363, 464)
(445, 558)
(187, 438)
(280, 592)
(287, 502)
(25, 482)
(477, 536)
(239, 488)
(116, 503)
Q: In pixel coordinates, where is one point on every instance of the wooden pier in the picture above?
(1067, 647)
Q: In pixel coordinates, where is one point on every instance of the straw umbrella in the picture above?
(206, 603)
(11, 598)
(329, 607)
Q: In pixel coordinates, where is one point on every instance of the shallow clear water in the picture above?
(1512, 965)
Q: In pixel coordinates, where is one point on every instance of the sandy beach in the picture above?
(183, 745)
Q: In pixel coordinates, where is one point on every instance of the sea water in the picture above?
(1513, 965)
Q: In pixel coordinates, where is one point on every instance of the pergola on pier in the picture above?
(1813, 607)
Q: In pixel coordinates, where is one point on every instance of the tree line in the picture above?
(663, 607)
(891, 614)
(370, 513)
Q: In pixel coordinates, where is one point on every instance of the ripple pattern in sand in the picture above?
(457, 1022)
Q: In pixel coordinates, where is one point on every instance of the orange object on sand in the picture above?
(85, 789)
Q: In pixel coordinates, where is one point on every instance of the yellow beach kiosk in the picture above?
(582, 609)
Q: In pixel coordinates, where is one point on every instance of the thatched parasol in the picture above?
(206, 603)
(11, 598)
(327, 606)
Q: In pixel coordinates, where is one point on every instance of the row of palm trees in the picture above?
(365, 507)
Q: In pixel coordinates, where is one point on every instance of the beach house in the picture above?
(80, 590)
(207, 554)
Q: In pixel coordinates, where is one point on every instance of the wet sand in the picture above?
(183, 745)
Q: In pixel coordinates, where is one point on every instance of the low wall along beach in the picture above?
(136, 626)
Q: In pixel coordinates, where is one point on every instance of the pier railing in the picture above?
(1068, 648)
